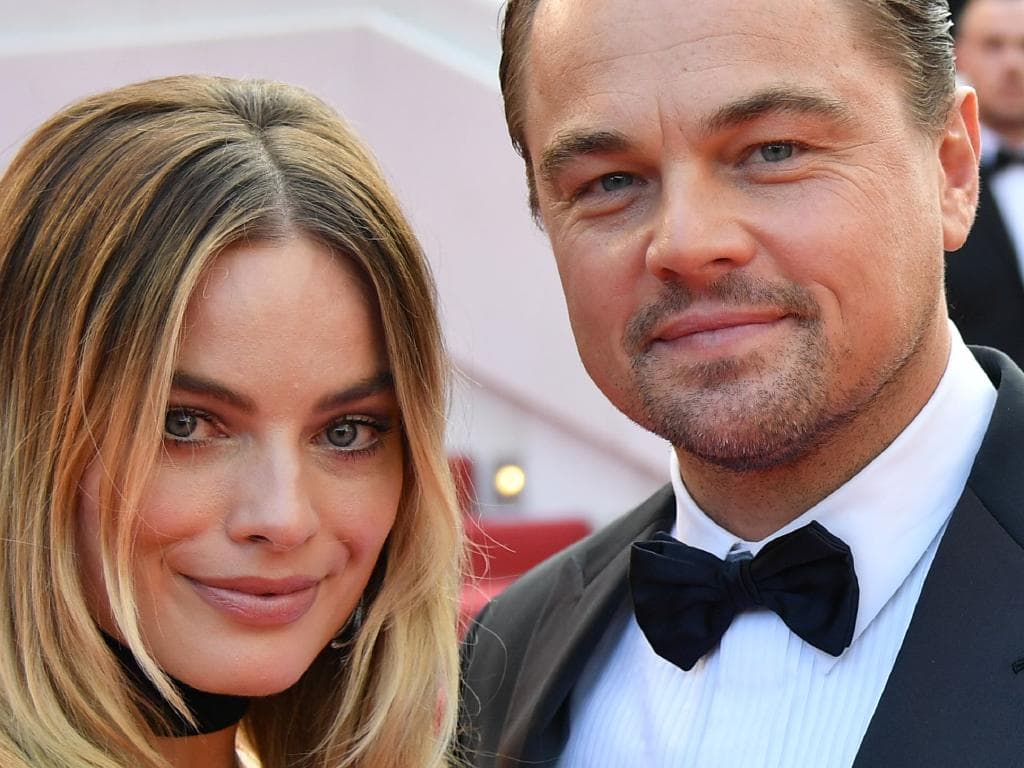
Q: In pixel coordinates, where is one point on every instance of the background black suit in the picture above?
(954, 697)
(984, 289)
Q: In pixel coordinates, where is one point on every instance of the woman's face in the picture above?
(279, 477)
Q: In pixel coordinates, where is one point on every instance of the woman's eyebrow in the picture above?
(200, 385)
(371, 385)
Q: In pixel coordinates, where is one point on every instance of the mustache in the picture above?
(731, 290)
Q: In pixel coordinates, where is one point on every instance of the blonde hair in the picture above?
(109, 215)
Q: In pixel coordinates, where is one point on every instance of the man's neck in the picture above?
(753, 504)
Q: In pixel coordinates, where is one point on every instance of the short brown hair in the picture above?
(911, 35)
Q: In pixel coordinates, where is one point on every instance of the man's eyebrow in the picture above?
(773, 101)
(568, 146)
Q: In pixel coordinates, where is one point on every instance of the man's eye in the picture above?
(180, 423)
(613, 182)
(776, 152)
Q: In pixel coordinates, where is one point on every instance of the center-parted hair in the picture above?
(912, 36)
(109, 216)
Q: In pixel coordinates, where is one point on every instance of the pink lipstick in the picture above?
(258, 601)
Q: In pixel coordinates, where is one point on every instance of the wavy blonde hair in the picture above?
(109, 215)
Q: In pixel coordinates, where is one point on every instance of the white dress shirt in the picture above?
(764, 698)
(1007, 187)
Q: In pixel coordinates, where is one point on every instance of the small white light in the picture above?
(509, 480)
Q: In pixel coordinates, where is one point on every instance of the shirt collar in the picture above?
(890, 511)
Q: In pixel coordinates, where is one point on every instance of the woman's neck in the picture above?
(211, 750)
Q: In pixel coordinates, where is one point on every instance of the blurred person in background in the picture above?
(228, 525)
(985, 277)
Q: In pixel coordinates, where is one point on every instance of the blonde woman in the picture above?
(225, 507)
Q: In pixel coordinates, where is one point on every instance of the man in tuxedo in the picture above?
(985, 288)
(748, 203)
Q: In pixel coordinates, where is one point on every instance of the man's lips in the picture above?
(694, 323)
(256, 600)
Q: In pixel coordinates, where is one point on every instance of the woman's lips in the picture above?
(256, 601)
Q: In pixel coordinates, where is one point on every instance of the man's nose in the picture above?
(276, 506)
(699, 229)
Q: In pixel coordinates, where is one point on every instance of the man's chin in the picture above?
(746, 457)
(751, 431)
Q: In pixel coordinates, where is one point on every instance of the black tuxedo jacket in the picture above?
(984, 289)
(955, 696)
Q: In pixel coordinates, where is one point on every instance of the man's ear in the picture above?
(959, 147)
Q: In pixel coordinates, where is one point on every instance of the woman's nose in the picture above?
(275, 505)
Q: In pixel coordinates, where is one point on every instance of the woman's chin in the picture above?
(252, 680)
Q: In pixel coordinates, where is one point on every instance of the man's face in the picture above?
(990, 55)
(748, 227)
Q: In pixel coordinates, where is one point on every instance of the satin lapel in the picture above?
(955, 696)
(572, 623)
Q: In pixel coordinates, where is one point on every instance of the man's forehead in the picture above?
(585, 40)
(698, 55)
(598, 21)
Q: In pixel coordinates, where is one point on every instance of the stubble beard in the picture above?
(757, 412)
(743, 414)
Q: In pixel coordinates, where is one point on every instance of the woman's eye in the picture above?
(352, 435)
(180, 423)
(776, 152)
(613, 182)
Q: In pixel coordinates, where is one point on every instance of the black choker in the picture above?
(212, 711)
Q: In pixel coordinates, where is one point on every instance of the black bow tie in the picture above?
(1004, 158)
(685, 598)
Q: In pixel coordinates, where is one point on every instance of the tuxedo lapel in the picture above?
(591, 589)
(955, 697)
